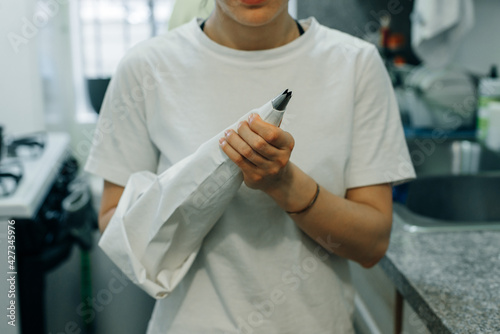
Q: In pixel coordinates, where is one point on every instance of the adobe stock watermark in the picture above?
(292, 279)
(29, 27)
(89, 308)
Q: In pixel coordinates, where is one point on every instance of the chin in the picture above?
(255, 19)
(254, 13)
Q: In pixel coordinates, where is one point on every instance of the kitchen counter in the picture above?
(451, 279)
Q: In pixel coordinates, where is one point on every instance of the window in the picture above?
(105, 30)
(110, 27)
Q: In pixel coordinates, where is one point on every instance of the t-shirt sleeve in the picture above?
(379, 153)
(121, 143)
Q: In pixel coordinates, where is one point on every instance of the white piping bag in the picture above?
(160, 221)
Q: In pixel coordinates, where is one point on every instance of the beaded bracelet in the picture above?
(309, 205)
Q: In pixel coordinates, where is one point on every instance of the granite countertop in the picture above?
(451, 279)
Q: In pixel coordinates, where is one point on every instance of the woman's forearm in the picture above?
(356, 227)
(105, 218)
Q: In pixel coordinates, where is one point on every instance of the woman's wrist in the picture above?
(295, 191)
(309, 206)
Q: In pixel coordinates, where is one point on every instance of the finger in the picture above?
(237, 158)
(258, 143)
(243, 148)
(271, 134)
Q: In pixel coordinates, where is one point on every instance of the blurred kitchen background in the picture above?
(56, 58)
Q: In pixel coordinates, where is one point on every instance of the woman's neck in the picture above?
(226, 31)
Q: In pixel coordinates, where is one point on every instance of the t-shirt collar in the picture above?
(270, 55)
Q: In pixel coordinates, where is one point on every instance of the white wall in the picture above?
(481, 47)
(21, 107)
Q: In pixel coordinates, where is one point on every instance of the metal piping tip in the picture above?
(280, 102)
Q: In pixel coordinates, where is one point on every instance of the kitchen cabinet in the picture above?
(375, 304)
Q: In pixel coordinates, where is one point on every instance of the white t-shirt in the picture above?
(256, 271)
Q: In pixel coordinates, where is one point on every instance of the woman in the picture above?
(317, 190)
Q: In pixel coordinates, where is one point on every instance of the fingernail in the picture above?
(227, 132)
(250, 118)
(240, 124)
(222, 141)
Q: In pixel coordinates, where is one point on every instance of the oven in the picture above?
(45, 212)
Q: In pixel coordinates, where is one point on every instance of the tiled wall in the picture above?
(360, 17)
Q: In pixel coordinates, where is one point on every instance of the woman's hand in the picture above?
(356, 227)
(262, 152)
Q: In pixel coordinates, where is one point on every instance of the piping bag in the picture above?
(160, 221)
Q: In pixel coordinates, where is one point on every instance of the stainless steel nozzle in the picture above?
(280, 102)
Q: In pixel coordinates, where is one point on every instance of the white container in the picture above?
(489, 92)
(493, 136)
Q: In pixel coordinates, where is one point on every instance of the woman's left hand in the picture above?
(262, 152)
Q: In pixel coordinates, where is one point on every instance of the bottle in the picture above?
(489, 91)
(492, 140)
(1, 142)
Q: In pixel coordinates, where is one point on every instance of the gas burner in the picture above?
(27, 147)
(11, 172)
(26, 181)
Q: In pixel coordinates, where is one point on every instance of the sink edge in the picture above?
(415, 223)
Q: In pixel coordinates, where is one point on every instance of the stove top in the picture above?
(28, 169)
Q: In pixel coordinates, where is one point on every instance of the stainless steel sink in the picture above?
(433, 157)
(457, 187)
